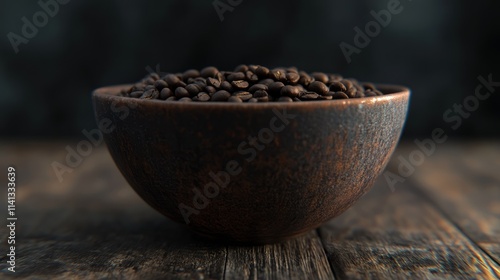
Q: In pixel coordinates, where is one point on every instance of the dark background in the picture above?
(437, 48)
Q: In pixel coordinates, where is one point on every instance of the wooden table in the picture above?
(441, 222)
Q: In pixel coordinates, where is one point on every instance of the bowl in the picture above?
(252, 173)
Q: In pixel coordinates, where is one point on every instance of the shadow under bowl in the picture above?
(254, 173)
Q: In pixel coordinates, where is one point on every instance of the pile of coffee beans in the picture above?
(249, 83)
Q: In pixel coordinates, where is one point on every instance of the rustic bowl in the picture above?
(257, 173)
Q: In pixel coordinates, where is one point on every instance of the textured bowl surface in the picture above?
(256, 173)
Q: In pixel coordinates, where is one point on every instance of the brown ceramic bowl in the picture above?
(258, 172)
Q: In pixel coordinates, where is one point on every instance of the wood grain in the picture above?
(464, 182)
(401, 235)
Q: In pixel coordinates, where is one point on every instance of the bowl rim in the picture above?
(391, 93)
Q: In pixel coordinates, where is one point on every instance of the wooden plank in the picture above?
(299, 258)
(464, 181)
(400, 235)
(93, 226)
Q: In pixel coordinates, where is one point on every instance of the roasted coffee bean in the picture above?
(322, 77)
(347, 84)
(339, 95)
(190, 74)
(248, 83)
(292, 91)
(309, 96)
(337, 86)
(285, 99)
(351, 92)
(256, 87)
(193, 89)
(221, 95)
(234, 99)
(243, 95)
(149, 87)
(185, 99)
(136, 94)
(276, 87)
(239, 85)
(208, 72)
(172, 80)
(226, 86)
(305, 79)
(251, 76)
(292, 77)
(260, 93)
(261, 71)
(325, 97)
(210, 89)
(213, 82)
(241, 68)
(181, 92)
(203, 97)
(166, 93)
(318, 87)
(160, 84)
(236, 76)
(150, 94)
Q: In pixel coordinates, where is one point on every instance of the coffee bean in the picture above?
(347, 84)
(193, 89)
(292, 91)
(243, 95)
(203, 97)
(136, 94)
(238, 85)
(256, 87)
(251, 76)
(185, 99)
(285, 99)
(234, 99)
(292, 77)
(150, 94)
(221, 95)
(351, 92)
(261, 71)
(208, 72)
(309, 96)
(181, 92)
(260, 93)
(340, 95)
(190, 74)
(337, 86)
(226, 86)
(210, 89)
(250, 83)
(276, 87)
(213, 82)
(172, 80)
(325, 97)
(318, 87)
(160, 84)
(241, 68)
(166, 93)
(322, 77)
(305, 79)
(236, 76)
